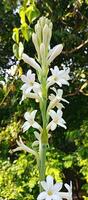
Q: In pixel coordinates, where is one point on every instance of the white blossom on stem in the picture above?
(60, 77)
(22, 146)
(29, 81)
(55, 99)
(56, 120)
(30, 121)
(51, 190)
(30, 84)
(30, 95)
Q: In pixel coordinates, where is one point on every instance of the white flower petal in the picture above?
(33, 113)
(52, 114)
(49, 180)
(36, 125)
(28, 90)
(62, 125)
(27, 116)
(59, 113)
(29, 73)
(42, 196)
(68, 187)
(57, 187)
(49, 197)
(53, 126)
(56, 197)
(44, 185)
(24, 87)
(23, 78)
(37, 135)
(26, 126)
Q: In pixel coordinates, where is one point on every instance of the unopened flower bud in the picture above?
(42, 21)
(42, 53)
(35, 41)
(30, 61)
(55, 52)
(38, 32)
(45, 34)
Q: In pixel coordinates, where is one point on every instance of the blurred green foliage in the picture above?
(67, 155)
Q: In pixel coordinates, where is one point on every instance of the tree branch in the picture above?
(76, 48)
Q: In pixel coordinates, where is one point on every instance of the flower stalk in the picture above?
(39, 92)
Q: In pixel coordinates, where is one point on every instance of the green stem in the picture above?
(44, 135)
(42, 159)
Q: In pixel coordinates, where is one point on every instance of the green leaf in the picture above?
(22, 14)
(15, 35)
(26, 31)
(32, 13)
(21, 49)
(16, 50)
(68, 163)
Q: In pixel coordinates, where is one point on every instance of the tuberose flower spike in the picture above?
(39, 91)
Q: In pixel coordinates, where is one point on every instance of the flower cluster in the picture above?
(37, 86)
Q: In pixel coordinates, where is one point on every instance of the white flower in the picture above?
(55, 99)
(53, 53)
(56, 120)
(60, 77)
(30, 95)
(30, 122)
(51, 190)
(30, 84)
(29, 81)
(36, 94)
(31, 61)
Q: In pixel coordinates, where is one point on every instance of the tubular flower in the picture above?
(22, 146)
(30, 122)
(51, 190)
(60, 77)
(56, 120)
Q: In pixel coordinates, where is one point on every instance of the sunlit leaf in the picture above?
(32, 13)
(26, 31)
(16, 50)
(22, 14)
(15, 35)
